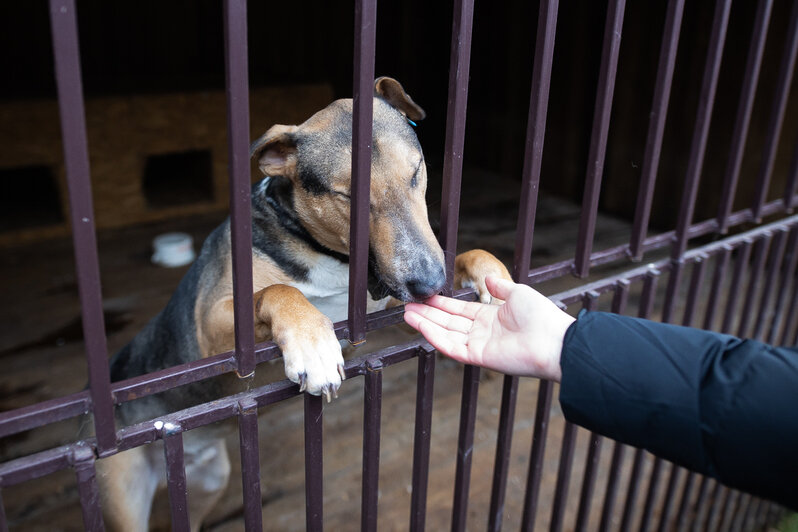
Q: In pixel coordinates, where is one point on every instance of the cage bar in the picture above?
(372, 415)
(674, 475)
(250, 463)
(362, 118)
(63, 20)
(727, 516)
(459, 65)
(791, 189)
(718, 278)
(535, 136)
(712, 510)
(542, 414)
(237, 86)
(656, 126)
(776, 258)
(563, 477)
(739, 512)
(465, 446)
(314, 465)
(87, 489)
(176, 478)
(598, 138)
(744, 109)
(3, 518)
(791, 261)
(421, 442)
(761, 247)
(740, 265)
(701, 132)
(501, 463)
(777, 114)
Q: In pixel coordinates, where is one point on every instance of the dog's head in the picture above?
(405, 259)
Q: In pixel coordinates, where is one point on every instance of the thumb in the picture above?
(498, 287)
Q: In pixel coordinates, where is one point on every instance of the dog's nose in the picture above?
(427, 285)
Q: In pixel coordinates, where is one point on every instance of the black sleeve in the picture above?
(716, 404)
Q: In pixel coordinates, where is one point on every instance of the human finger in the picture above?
(466, 309)
(498, 287)
(450, 343)
(448, 321)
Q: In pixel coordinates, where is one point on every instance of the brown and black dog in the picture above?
(300, 226)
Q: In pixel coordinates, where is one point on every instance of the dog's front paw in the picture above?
(471, 268)
(312, 357)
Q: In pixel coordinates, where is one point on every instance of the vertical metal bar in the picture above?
(176, 477)
(237, 82)
(503, 445)
(740, 265)
(701, 131)
(777, 114)
(788, 275)
(739, 512)
(542, 414)
(700, 502)
(760, 253)
(744, 108)
(776, 257)
(791, 189)
(619, 301)
(670, 491)
(459, 66)
(656, 125)
(713, 506)
(465, 447)
(631, 493)
(421, 442)
(314, 463)
(790, 320)
(684, 503)
(372, 418)
(362, 117)
(3, 518)
(653, 485)
(590, 301)
(722, 264)
(87, 488)
(598, 138)
(747, 513)
(63, 19)
(727, 514)
(535, 136)
(563, 477)
(250, 463)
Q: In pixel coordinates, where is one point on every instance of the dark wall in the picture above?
(154, 46)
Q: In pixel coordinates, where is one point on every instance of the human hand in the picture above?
(522, 337)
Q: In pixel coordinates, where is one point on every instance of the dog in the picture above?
(300, 242)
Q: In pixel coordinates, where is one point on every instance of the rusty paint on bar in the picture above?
(459, 64)
(535, 136)
(465, 447)
(598, 136)
(656, 126)
(362, 117)
(83, 459)
(63, 18)
(314, 466)
(743, 119)
(563, 477)
(501, 463)
(421, 441)
(250, 463)
(701, 131)
(372, 415)
(176, 476)
(237, 91)
(539, 437)
(777, 115)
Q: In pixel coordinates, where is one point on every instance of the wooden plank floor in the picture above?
(42, 355)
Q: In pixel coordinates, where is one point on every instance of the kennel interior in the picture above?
(634, 157)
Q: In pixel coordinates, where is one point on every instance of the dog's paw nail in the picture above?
(326, 391)
(335, 391)
(342, 372)
(303, 383)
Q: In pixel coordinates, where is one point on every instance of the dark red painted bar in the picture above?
(501, 463)
(674, 475)
(740, 265)
(774, 265)
(314, 466)
(712, 510)
(63, 18)
(791, 262)
(791, 320)
(542, 414)
(465, 447)
(535, 136)
(87, 489)
(746, 516)
(3, 519)
(459, 64)
(721, 266)
(701, 131)
(421, 442)
(656, 126)
(362, 117)
(700, 503)
(598, 138)
(176, 477)
(732, 502)
(744, 109)
(372, 415)
(761, 247)
(563, 477)
(777, 115)
(250, 463)
(790, 199)
(237, 83)
(739, 512)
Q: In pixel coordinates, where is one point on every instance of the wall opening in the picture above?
(29, 198)
(180, 178)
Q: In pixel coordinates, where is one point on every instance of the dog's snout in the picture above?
(427, 285)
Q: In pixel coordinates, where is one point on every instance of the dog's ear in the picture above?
(392, 92)
(275, 151)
